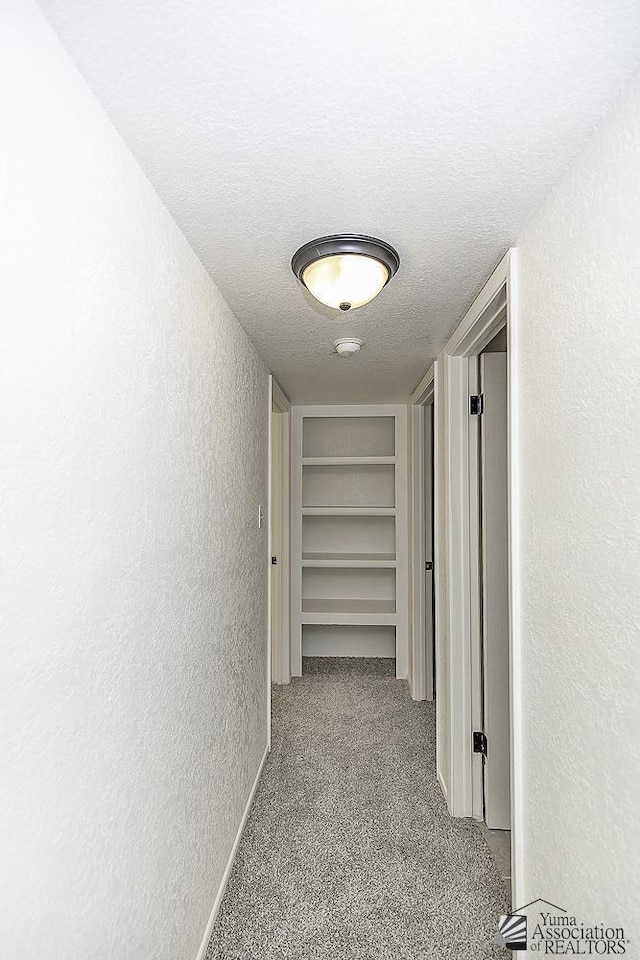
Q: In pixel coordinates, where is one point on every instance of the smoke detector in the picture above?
(347, 346)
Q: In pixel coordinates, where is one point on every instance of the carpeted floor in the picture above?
(349, 853)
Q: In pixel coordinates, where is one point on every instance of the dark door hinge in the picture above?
(274, 560)
(428, 565)
(480, 742)
(476, 404)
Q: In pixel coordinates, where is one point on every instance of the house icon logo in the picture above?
(512, 931)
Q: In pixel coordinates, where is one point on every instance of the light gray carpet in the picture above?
(349, 852)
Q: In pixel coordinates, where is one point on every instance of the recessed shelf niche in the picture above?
(371, 485)
(352, 533)
(337, 640)
(349, 437)
(357, 583)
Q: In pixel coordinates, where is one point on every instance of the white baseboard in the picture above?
(232, 857)
(443, 787)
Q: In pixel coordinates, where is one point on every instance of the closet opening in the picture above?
(349, 570)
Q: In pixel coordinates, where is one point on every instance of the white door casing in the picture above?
(279, 534)
(422, 670)
(275, 537)
(428, 551)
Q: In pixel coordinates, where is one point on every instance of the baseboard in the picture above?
(443, 787)
(232, 856)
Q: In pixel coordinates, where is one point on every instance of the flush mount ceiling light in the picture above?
(345, 271)
(347, 346)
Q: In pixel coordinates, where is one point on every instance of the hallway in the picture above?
(321, 345)
(349, 851)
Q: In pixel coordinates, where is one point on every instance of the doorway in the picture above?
(279, 535)
(422, 660)
(429, 595)
(461, 655)
(492, 740)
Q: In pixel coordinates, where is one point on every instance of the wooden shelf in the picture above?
(373, 560)
(346, 461)
(348, 511)
(339, 611)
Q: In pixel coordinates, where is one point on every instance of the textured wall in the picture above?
(579, 335)
(133, 699)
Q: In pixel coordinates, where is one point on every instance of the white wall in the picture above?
(134, 415)
(577, 366)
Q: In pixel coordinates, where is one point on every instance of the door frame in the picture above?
(457, 557)
(422, 666)
(279, 512)
(493, 309)
(484, 319)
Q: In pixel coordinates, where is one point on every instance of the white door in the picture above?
(495, 589)
(429, 638)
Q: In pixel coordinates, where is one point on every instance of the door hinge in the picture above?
(428, 565)
(476, 404)
(480, 742)
(274, 560)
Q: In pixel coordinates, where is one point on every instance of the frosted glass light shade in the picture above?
(345, 270)
(346, 280)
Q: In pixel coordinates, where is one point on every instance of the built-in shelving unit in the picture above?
(349, 550)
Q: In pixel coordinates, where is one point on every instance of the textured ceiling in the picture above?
(438, 125)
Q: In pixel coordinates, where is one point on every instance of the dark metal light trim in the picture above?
(345, 243)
